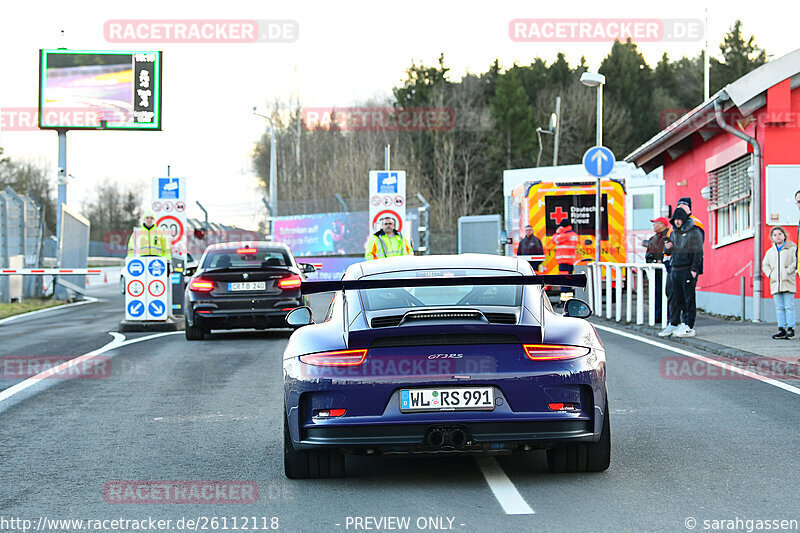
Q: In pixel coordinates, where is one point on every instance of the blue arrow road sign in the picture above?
(136, 308)
(599, 161)
(135, 267)
(156, 267)
(157, 308)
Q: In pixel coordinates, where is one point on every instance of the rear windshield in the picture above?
(234, 259)
(463, 295)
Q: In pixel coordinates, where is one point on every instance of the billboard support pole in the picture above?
(59, 292)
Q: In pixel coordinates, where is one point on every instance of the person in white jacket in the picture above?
(780, 266)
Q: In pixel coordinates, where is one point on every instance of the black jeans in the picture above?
(659, 279)
(682, 297)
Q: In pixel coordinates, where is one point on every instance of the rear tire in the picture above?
(309, 464)
(194, 333)
(583, 456)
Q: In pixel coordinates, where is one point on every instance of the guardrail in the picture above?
(628, 274)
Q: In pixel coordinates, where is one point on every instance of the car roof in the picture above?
(425, 262)
(264, 245)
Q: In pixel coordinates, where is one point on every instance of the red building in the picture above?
(720, 172)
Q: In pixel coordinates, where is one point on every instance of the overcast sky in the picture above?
(347, 51)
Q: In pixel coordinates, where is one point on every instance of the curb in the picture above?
(171, 324)
(719, 349)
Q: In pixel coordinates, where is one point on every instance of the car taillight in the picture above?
(553, 352)
(292, 282)
(337, 358)
(201, 285)
(566, 406)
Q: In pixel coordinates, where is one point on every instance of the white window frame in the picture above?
(735, 207)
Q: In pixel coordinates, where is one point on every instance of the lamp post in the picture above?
(591, 79)
(273, 185)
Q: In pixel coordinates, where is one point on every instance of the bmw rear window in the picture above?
(457, 296)
(233, 259)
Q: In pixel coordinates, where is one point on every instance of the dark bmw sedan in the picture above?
(243, 285)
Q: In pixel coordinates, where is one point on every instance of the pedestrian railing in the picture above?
(631, 276)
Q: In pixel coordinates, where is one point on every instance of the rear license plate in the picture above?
(447, 399)
(247, 286)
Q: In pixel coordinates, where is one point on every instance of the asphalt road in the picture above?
(717, 449)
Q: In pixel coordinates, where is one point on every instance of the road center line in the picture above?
(720, 364)
(502, 487)
(118, 342)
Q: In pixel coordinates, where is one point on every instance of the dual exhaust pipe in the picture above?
(438, 438)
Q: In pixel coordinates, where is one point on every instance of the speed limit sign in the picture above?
(173, 226)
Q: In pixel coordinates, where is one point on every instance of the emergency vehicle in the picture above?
(545, 204)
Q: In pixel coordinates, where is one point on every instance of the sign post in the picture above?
(387, 198)
(598, 162)
(169, 206)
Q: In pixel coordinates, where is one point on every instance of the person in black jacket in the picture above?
(685, 245)
(530, 245)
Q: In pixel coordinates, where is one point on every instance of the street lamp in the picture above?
(591, 79)
(273, 185)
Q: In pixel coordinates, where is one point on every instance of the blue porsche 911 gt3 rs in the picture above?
(444, 354)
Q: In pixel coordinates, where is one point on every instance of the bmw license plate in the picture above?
(447, 399)
(247, 286)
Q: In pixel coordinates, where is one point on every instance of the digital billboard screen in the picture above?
(87, 89)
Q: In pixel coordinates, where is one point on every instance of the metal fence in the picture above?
(21, 237)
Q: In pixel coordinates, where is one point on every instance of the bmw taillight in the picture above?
(201, 285)
(292, 282)
(553, 352)
(337, 358)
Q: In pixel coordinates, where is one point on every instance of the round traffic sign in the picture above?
(135, 288)
(390, 213)
(173, 225)
(180, 206)
(136, 267)
(399, 201)
(386, 200)
(156, 288)
(136, 308)
(157, 206)
(375, 200)
(599, 161)
(167, 206)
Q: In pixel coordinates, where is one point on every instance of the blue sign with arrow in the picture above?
(157, 308)
(135, 267)
(136, 308)
(599, 161)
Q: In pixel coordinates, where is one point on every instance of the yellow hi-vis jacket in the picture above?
(381, 245)
(153, 241)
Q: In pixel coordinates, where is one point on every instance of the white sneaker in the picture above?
(669, 330)
(684, 331)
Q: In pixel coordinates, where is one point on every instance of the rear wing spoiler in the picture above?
(569, 280)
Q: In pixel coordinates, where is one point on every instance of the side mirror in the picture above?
(300, 316)
(189, 271)
(577, 308)
(308, 268)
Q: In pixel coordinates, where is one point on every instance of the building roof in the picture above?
(748, 94)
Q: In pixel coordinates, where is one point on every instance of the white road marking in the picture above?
(720, 364)
(502, 487)
(118, 342)
(88, 300)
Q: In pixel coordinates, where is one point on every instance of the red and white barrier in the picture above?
(42, 271)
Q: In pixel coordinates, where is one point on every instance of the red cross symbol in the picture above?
(558, 215)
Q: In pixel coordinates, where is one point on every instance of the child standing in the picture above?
(780, 266)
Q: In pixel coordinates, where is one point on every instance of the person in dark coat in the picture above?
(530, 245)
(655, 254)
(685, 245)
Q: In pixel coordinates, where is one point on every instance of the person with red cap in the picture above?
(655, 254)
